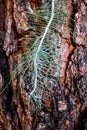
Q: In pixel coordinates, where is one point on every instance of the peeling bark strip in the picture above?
(65, 106)
(9, 35)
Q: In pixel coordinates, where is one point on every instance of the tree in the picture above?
(62, 89)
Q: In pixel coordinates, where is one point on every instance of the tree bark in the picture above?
(66, 104)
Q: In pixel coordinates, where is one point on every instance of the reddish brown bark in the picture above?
(66, 104)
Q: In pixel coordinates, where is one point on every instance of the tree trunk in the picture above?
(66, 106)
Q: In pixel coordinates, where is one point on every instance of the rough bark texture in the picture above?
(66, 104)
